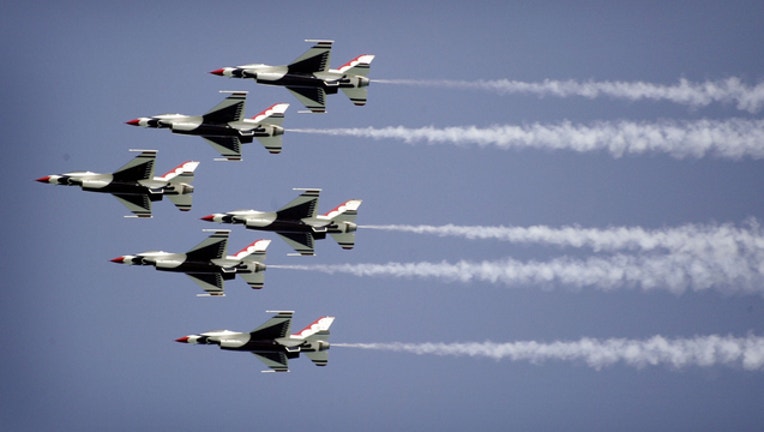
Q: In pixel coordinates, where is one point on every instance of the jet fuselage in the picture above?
(331, 81)
(234, 341)
(105, 183)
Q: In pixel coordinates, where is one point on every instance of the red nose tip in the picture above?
(183, 339)
(133, 122)
(217, 72)
(209, 218)
(118, 260)
(45, 179)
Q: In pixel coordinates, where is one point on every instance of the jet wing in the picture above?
(211, 283)
(139, 204)
(314, 98)
(302, 243)
(277, 361)
(276, 327)
(304, 206)
(213, 247)
(140, 168)
(228, 147)
(315, 59)
(229, 110)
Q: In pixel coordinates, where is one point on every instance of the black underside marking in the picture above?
(142, 171)
(212, 251)
(313, 93)
(275, 331)
(295, 213)
(214, 279)
(225, 115)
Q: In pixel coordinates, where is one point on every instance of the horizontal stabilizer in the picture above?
(319, 358)
(357, 95)
(271, 143)
(182, 202)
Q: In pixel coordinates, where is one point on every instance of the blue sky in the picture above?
(90, 344)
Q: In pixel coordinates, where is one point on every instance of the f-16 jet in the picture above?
(298, 223)
(225, 127)
(134, 183)
(271, 343)
(309, 77)
(207, 263)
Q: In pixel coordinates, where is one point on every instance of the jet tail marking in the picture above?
(274, 114)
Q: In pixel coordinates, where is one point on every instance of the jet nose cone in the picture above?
(118, 260)
(218, 72)
(208, 218)
(183, 339)
(134, 122)
(45, 179)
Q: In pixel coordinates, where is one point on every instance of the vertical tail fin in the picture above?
(356, 71)
(254, 251)
(358, 66)
(344, 223)
(274, 114)
(181, 173)
(180, 179)
(318, 329)
(316, 336)
(252, 258)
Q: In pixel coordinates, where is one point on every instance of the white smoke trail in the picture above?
(694, 94)
(733, 138)
(702, 351)
(676, 272)
(724, 239)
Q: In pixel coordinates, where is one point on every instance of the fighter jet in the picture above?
(298, 223)
(134, 184)
(225, 127)
(206, 263)
(309, 77)
(271, 343)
